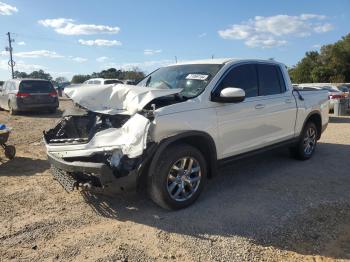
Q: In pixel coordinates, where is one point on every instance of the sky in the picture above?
(80, 37)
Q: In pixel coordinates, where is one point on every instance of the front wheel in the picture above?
(179, 177)
(306, 145)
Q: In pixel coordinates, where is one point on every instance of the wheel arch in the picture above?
(198, 139)
(315, 117)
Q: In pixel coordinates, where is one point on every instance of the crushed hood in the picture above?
(115, 99)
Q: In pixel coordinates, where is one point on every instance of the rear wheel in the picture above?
(306, 145)
(178, 178)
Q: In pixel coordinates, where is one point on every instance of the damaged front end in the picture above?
(89, 149)
(106, 139)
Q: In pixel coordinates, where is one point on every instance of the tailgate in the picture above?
(36, 92)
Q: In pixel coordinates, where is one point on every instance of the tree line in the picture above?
(134, 74)
(330, 65)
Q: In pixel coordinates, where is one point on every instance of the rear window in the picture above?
(269, 80)
(107, 82)
(36, 87)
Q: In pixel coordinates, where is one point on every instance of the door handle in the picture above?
(259, 106)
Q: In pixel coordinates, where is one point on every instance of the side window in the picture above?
(269, 80)
(243, 76)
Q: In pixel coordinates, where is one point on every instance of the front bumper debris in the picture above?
(87, 175)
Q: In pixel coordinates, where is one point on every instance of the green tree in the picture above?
(332, 64)
(78, 79)
(61, 79)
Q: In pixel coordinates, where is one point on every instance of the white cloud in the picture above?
(38, 53)
(6, 9)
(202, 35)
(100, 42)
(152, 51)
(67, 26)
(102, 59)
(264, 42)
(324, 28)
(271, 31)
(79, 59)
(316, 46)
(21, 43)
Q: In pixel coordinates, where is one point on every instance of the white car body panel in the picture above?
(116, 99)
(131, 139)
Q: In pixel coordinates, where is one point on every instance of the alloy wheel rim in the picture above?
(184, 178)
(309, 141)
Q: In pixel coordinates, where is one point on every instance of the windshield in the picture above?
(192, 79)
(33, 86)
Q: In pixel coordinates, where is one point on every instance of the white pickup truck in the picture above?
(170, 133)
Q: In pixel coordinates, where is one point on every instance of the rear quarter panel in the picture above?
(314, 101)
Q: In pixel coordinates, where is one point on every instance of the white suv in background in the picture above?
(102, 81)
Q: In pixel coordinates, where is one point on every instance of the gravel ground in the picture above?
(266, 208)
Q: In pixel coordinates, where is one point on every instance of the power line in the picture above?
(9, 48)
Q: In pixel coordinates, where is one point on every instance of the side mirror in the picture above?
(230, 95)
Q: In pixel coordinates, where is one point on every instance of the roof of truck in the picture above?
(218, 61)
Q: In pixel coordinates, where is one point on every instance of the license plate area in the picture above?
(67, 181)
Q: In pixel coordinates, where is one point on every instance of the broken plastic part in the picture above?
(115, 158)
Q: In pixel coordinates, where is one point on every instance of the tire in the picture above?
(168, 177)
(305, 147)
(52, 110)
(11, 110)
(10, 152)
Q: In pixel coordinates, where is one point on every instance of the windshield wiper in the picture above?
(148, 81)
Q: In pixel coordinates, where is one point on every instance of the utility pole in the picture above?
(175, 59)
(9, 48)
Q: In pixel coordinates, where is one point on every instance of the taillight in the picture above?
(19, 94)
(53, 94)
(336, 96)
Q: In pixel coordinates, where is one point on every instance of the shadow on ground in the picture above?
(339, 120)
(271, 199)
(22, 166)
(41, 114)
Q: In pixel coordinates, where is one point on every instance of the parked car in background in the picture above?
(129, 82)
(344, 88)
(28, 95)
(170, 132)
(102, 81)
(333, 94)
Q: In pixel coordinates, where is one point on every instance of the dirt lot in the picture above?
(269, 207)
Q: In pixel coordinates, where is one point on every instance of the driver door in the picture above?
(242, 126)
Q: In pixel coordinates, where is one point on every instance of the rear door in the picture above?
(37, 92)
(276, 103)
